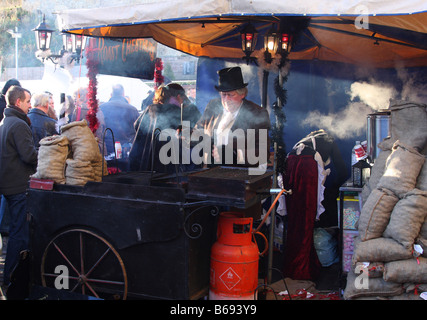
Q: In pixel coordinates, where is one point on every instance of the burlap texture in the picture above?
(97, 169)
(380, 250)
(376, 287)
(406, 271)
(408, 123)
(376, 213)
(377, 172)
(422, 238)
(422, 178)
(402, 169)
(52, 155)
(83, 143)
(407, 218)
(372, 269)
(78, 172)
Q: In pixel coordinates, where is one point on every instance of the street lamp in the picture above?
(274, 43)
(74, 44)
(15, 34)
(43, 35)
(67, 42)
(79, 43)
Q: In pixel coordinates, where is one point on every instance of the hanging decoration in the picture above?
(92, 66)
(158, 77)
(278, 108)
(272, 65)
(290, 30)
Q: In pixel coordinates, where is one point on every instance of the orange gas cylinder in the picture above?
(234, 259)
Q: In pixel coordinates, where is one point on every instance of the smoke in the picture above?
(413, 90)
(347, 123)
(364, 98)
(375, 95)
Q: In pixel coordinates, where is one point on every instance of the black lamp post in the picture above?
(43, 35)
(74, 44)
(274, 43)
(271, 42)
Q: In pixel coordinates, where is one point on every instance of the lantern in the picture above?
(285, 42)
(73, 44)
(43, 35)
(67, 42)
(361, 173)
(270, 44)
(271, 40)
(249, 37)
(79, 43)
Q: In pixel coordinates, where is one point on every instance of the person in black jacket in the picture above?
(189, 111)
(18, 161)
(41, 124)
(119, 116)
(237, 126)
(7, 85)
(11, 82)
(168, 112)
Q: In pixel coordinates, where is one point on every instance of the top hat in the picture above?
(230, 79)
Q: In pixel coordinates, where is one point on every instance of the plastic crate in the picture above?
(348, 240)
(351, 212)
(346, 261)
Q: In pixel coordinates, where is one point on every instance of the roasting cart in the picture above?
(135, 235)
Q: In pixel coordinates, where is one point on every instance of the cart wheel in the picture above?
(93, 267)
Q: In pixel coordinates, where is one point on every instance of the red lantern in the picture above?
(285, 44)
(249, 38)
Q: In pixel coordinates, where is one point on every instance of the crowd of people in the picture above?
(26, 119)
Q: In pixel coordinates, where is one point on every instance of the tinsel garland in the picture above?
(158, 77)
(277, 63)
(92, 66)
(278, 108)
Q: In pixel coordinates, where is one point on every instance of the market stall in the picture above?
(159, 208)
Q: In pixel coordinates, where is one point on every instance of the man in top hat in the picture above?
(239, 128)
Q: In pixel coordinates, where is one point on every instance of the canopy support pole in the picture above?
(264, 89)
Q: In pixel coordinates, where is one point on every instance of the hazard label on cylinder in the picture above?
(230, 278)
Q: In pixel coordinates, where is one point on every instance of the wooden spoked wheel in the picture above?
(83, 262)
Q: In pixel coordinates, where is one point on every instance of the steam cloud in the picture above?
(349, 122)
(366, 97)
(375, 95)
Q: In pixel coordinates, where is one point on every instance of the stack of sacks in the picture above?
(72, 158)
(391, 249)
(53, 153)
(408, 125)
(86, 161)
